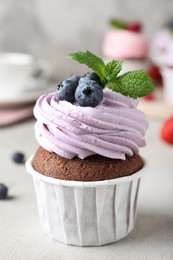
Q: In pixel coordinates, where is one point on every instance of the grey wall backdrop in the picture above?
(53, 28)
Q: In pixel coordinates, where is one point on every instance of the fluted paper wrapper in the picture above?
(86, 213)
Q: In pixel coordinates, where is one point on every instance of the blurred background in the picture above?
(52, 29)
(49, 30)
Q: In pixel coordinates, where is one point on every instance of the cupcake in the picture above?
(87, 168)
(160, 42)
(167, 73)
(126, 41)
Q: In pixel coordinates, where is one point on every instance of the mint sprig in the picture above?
(171, 29)
(133, 83)
(92, 61)
(118, 23)
(112, 69)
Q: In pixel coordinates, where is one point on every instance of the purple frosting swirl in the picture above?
(114, 128)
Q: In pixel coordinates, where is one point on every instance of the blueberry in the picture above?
(3, 191)
(90, 76)
(67, 88)
(89, 93)
(18, 157)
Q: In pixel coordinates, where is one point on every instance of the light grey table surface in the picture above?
(22, 238)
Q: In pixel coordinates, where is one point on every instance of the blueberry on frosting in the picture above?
(88, 90)
(66, 89)
(88, 93)
(90, 76)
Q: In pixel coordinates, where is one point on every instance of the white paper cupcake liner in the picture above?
(86, 213)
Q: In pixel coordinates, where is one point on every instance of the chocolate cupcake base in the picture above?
(92, 168)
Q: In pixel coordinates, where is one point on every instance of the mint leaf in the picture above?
(92, 61)
(116, 86)
(117, 23)
(171, 29)
(112, 69)
(133, 84)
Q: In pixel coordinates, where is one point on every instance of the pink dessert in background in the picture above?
(168, 60)
(125, 44)
(161, 45)
(161, 40)
(127, 41)
(166, 69)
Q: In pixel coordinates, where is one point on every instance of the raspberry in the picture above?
(167, 130)
(149, 97)
(154, 73)
(134, 27)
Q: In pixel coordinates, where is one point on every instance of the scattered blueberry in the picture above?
(18, 157)
(3, 191)
(66, 89)
(90, 76)
(89, 93)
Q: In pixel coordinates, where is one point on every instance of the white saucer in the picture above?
(28, 95)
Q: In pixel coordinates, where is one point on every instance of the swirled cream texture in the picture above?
(114, 128)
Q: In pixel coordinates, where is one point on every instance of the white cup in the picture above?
(167, 75)
(17, 70)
